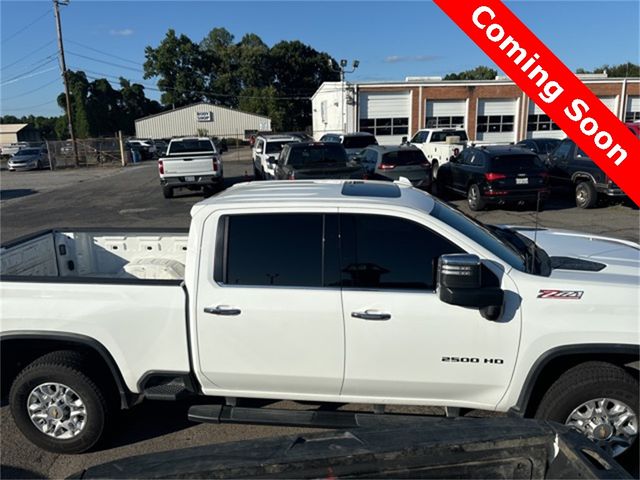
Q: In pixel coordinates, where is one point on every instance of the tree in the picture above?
(179, 64)
(220, 55)
(78, 94)
(478, 73)
(264, 101)
(616, 71)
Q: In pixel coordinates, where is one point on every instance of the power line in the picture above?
(47, 61)
(105, 62)
(24, 57)
(28, 108)
(27, 76)
(103, 53)
(14, 34)
(55, 80)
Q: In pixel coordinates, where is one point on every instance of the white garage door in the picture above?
(446, 113)
(496, 120)
(386, 115)
(611, 103)
(539, 125)
(633, 109)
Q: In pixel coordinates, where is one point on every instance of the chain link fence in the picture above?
(91, 152)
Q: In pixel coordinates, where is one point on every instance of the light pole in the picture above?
(341, 69)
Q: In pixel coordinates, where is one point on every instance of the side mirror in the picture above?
(272, 161)
(460, 283)
(259, 150)
(404, 139)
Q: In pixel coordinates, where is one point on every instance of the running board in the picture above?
(297, 418)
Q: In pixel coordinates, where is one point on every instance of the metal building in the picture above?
(201, 119)
(18, 132)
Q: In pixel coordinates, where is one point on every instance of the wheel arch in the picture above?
(554, 362)
(578, 176)
(18, 349)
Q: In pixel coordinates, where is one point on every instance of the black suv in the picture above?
(495, 174)
(315, 161)
(572, 169)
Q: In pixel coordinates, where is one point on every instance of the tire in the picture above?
(474, 198)
(586, 195)
(65, 369)
(167, 192)
(39, 165)
(592, 381)
(434, 170)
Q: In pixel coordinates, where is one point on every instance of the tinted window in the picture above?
(516, 163)
(546, 146)
(27, 151)
(563, 150)
(442, 136)
(191, 146)
(359, 142)
(276, 249)
(311, 155)
(389, 253)
(404, 157)
(276, 147)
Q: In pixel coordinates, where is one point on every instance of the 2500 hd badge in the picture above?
(492, 361)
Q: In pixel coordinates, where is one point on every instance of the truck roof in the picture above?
(321, 193)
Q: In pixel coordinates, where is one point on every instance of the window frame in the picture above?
(395, 125)
(495, 120)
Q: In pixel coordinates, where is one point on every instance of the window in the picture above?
(444, 122)
(632, 116)
(384, 252)
(385, 126)
(280, 250)
(190, 146)
(541, 123)
(563, 151)
(495, 123)
(420, 137)
(404, 157)
(442, 136)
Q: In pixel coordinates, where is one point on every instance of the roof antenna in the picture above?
(535, 232)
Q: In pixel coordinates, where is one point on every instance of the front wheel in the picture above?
(57, 406)
(598, 399)
(474, 198)
(586, 195)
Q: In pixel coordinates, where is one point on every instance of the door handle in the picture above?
(371, 315)
(222, 310)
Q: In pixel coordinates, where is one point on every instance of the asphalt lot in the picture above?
(131, 197)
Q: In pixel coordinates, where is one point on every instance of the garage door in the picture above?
(539, 125)
(386, 115)
(633, 109)
(496, 120)
(611, 103)
(446, 113)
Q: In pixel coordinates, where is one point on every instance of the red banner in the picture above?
(552, 86)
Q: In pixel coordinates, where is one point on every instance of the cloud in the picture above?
(125, 32)
(411, 58)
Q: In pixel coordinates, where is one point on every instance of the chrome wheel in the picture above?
(610, 423)
(57, 410)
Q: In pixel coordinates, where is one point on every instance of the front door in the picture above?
(402, 343)
(269, 316)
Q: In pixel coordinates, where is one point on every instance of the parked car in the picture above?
(161, 147)
(192, 163)
(571, 170)
(29, 159)
(325, 291)
(495, 175)
(266, 150)
(393, 163)
(146, 148)
(353, 143)
(439, 145)
(302, 161)
(540, 146)
(13, 148)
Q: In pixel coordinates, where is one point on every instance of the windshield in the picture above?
(479, 234)
(191, 146)
(27, 151)
(442, 136)
(309, 155)
(276, 147)
(516, 163)
(547, 146)
(404, 157)
(359, 141)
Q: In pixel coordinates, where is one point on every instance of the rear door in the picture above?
(409, 163)
(269, 315)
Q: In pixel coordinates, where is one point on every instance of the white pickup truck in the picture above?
(440, 144)
(190, 162)
(372, 292)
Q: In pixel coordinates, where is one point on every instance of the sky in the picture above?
(391, 39)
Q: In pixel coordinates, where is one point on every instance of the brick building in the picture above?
(490, 110)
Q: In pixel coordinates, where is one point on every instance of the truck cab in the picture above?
(439, 144)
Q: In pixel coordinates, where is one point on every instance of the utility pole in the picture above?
(63, 67)
(341, 69)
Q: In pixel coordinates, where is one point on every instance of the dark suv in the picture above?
(572, 169)
(315, 161)
(496, 175)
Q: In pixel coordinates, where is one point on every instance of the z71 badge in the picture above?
(561, 294)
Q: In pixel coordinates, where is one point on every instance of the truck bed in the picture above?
(72, 254)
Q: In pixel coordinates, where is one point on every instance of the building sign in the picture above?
(204, 116)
